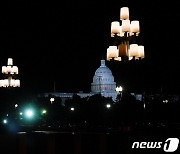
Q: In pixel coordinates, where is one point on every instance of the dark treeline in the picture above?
(98, 112)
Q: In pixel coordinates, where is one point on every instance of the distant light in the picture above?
(108, 105)
(21, 113)
(165, 101)
(119, 89)
(72, 109)
(52, 100)
(5, 121)
(16, 105)
(29, 113)
(44, 111)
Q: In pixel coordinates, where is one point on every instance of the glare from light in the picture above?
(108, 105)
(44, 111)
(21, 113)
(165, 101)
(119, 89)
(16, 105)
(5, 121)
(52, 100)
(72, 108)
(29, 113)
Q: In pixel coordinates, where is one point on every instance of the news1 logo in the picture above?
(170, 145)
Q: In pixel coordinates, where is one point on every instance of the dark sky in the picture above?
(64, 41)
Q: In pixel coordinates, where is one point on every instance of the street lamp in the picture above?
(44, 112)
(16, 105)
(72, 108)
(119, 91)
(123, 33)
(10, 72)
(108, 105)
(52, 100)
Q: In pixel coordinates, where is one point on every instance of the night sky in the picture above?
(64, 41)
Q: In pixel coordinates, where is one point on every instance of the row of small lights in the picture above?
(29, 113)
(107, 106)
(72, 108)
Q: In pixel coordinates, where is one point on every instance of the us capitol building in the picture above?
(103, 83)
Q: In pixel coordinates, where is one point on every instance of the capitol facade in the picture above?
(103, 83)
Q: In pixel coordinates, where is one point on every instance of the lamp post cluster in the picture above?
(123, 33)
(10, 73)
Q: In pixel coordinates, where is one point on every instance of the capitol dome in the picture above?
(103, 81)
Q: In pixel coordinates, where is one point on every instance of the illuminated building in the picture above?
(103, 83)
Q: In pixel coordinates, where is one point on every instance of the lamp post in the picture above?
(10, 73)
(9, 81)
(72, 108)
(16, 105)
(123, 33)
(52, 100)
(108, 106)
(119, 91)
